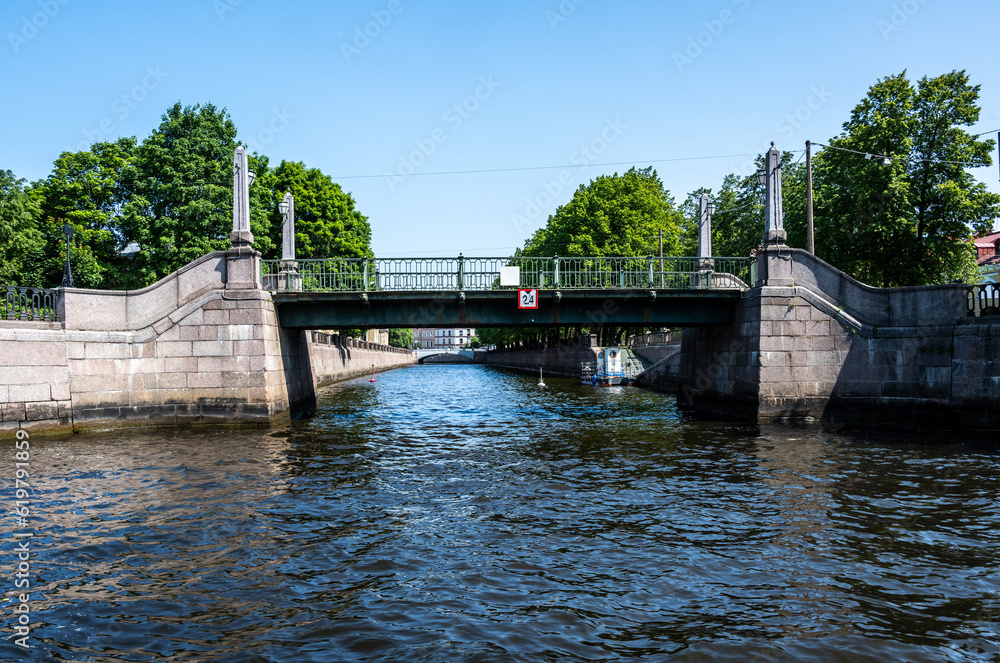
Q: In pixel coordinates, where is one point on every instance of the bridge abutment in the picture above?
(810, 343)
(202, 346)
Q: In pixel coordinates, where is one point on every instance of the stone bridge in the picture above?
(793, 338)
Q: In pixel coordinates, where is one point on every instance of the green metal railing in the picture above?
(421, 274)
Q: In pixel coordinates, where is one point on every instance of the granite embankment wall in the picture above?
(565, 360)
(809, 342)
(334, 358)
(190, 349)
(664, 374)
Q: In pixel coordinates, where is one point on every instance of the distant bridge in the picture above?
(443, 356)
(483, 292)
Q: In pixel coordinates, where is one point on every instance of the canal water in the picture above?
(462, 513)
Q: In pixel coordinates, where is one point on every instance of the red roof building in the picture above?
(987, 252)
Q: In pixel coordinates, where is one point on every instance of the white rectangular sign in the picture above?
(510, 276)
(527, 299)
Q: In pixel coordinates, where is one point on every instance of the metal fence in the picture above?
(22, 303)
(983, 299)
(414, 274)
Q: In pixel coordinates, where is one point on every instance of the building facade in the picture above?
(988, 257)
(423, 338)
(377, 336)
(443, 339)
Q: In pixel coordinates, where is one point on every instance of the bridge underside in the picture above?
(498, 308)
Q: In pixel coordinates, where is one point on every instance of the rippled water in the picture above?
(460, 513)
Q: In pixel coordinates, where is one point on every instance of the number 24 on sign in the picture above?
(527, 299)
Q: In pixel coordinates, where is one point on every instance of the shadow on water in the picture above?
(462, 513)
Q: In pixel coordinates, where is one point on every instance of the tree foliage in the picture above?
(923, 206)
(86, 190)
(171, 195)
(326, 221)
(180, 185)
(401, 338)
(614, 215)
(20, 240)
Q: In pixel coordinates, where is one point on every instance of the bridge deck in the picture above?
(499, 308)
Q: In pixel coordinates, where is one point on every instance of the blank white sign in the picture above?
(510, 276)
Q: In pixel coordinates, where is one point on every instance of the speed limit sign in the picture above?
(527, 299)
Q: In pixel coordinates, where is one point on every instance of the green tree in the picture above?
(180, 185)
(327, 225)
(85, 189)
(738, 223)
(401, 338)
(922, 206)
(614, 215)
(20, 239)
(501, 335)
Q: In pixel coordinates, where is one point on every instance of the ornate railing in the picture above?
(983, 299)
(21, 303)
(409, 274)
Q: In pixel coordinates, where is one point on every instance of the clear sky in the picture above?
(371, 91)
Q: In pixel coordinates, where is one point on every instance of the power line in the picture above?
(969, 164)
(736, 209)
(527, 168)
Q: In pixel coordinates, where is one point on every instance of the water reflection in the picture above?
(459, 513)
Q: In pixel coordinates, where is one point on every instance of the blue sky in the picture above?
(400, 90)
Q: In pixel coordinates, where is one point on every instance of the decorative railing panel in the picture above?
(23, 303)
(416, 274)
(983, 299)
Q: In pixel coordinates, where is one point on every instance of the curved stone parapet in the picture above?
(866, 305)
(132, 310)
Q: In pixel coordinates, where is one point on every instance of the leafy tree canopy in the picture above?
(923, 206)
(401, 338)
(85, 190)
(180, 183)
(326, 222)
(20, 239)
(614, 215)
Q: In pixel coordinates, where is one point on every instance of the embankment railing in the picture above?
(24, 303)
(983, 299)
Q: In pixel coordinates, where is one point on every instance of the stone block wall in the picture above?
(820, 345)
(560, 361)
(184, 351)
(664, 374)
(34, 378)
(334, 358)
(718, 366)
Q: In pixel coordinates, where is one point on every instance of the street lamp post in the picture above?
(774, 230)
(289, 277)
(67, 279)
(706, 207)
(809, 198)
